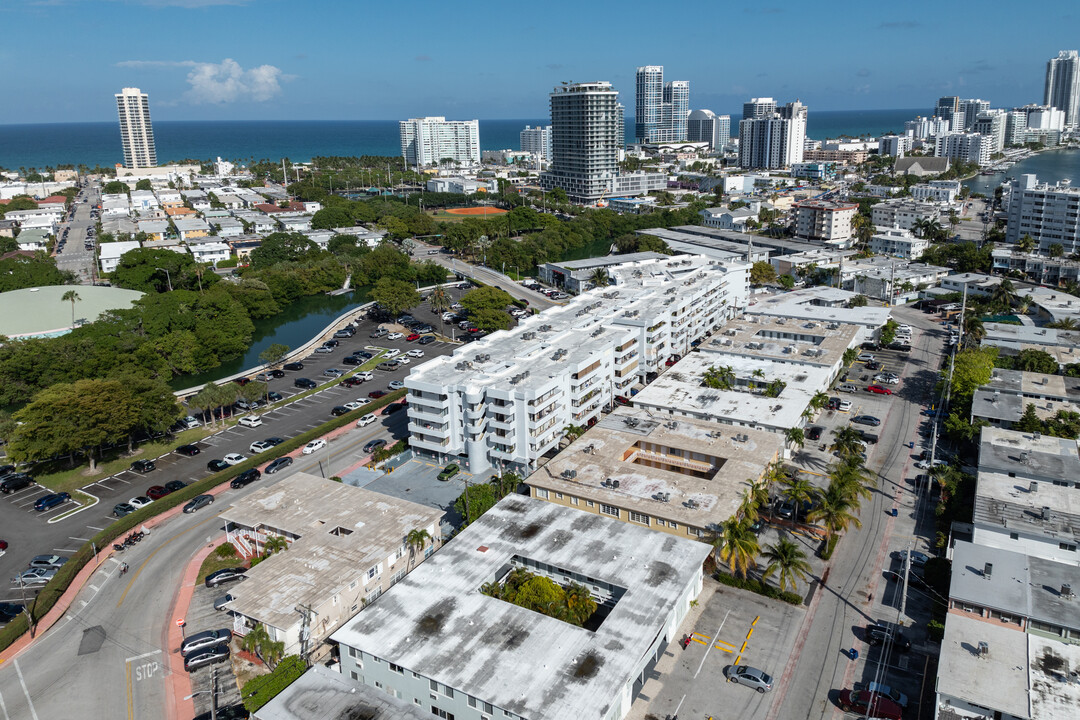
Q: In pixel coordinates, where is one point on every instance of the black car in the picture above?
(122, 509)
(305, 383)
(814, 433)
(274, 396)
(207, 657)
(274, 441)
(331, 343)
(202, 640)
(874, 365)
(392, 408)
(6, 470)
(426, 339)
(217, 465)
(879, 634)
(293, 366)
(188, 450)
(8, 611)
(143, 466)
(15, 481)
(276, 373)
(220, 577)
(281, 462)
(200, 501)
(245, 478)
(353, 360)
(340, 410)
(363, 354)
(229, 712)
(174, 485)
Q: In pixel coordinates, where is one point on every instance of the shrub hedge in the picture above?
(262, 689)
(56, 587)
(759, 587)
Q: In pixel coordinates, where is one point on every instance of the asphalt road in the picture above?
(74, 257)
(31, 533)
(482, 274)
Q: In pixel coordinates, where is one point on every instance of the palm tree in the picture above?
(800, 492)
(599, 278)
(579, 603)
(1026, 243)
(753, 498)
(719, 378)
(819, 400)
(1063, 324)
(834, 511)
(795, 436)
(204, 400)
(851, 477)
(1004, 294)
(789, 561)
(848, 442)
(225, 394)
(737, 545)
(440, 303)
(573, 432)
(417, 540)
(258, 642)
(274, 544)
(72, 297)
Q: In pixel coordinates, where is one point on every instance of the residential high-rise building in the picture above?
(992, 123)
(969, 110)
(1047, 213)
(136, 132)
(584, 140)
(1015, 127)
(949, 108)
(707, 126)
(770, 137)
(620, 124)
(966, 147)
(537, 140)
(431, 140)
(660, 109)
(1062, 89)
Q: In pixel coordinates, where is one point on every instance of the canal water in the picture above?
(1050, 166)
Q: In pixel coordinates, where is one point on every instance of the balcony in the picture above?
(429, 443)
(427, 413)
(427, 428)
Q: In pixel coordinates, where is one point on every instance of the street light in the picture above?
(168, 278)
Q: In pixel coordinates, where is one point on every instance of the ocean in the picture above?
(1050, 166)
(43, 145)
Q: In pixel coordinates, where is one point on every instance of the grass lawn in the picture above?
(213, 563)
(113, 462)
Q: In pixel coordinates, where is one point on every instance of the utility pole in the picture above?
(213, 693)
(907, 571)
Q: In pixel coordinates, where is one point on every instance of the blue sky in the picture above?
(325, 59)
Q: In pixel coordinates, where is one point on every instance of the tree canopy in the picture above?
(139, 270)
(395, 296)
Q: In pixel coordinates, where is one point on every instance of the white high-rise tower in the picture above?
(136, 132)
(1062, 88)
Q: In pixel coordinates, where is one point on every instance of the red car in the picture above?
(859, 701)
(242, 381)
(157, 492)
(413, 336)
(376, 394)
(351, 381)
(879, 389)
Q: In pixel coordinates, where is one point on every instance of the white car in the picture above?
(314, 446)
(903, 328)
(366, 376)
(250, 421)
(353, 405)
(394, 336)
(865, 357)
(887, 379)
(403, 360)
(392, 352)
(260, 446)
(396, 385)
(845, 406)
(366, 420)
(140, 501)
(926, 464)
(362, 401)
(234, 458)
(415, 353)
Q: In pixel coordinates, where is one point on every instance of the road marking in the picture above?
(716, 634)
(4, 708)
(149, 557)
(94, 527)
(26, 692)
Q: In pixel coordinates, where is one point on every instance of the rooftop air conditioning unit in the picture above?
(1066, 590)
(984, 649)
(988, 570)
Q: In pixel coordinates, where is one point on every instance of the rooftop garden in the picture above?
(571, 603)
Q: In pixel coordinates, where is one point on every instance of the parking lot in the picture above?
(729, 627)
(201, 616)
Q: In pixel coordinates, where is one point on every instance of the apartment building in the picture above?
(346, 546)
(660, 109)
(771, 136)
(1042, 269)
(903, 214)
(965, 147)
(1062, 88)
(504, 400)
(940, 191)
(825, 221)
(584, 140)
(136, 130)
(430, 140)
(1003, 401)
(536, 140)
(680, 477)
(1048, 213)
(1063, 345)
(897, 243)
(438, 641)
(707, 126)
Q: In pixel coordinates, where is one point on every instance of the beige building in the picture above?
(825, 221)
(345, 547)
(679, 476)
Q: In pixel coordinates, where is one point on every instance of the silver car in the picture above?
(34, 576)
(749, 676)
(203, 640)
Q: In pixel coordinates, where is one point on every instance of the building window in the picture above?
(373, 572)
(1014, 536)
(1067, 547)
(609, 510)
(590, 503)
(573, 500)
(397, 668)
(433, 685)
(639, 518)
(558, 496)
(672, 525)
(353, 674)
(541, 493)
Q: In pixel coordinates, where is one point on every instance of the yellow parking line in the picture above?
(755, 621)
(737, 660)
(698, 640)
(743, 648)
(749, 633)
(725, 644)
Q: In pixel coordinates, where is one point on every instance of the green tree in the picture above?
(973, 369)
(850, 356)
(144, 184)
(115, 187)
(72, 297)
(795, 436)
(1055, 250)
(737, 545)
(490, 320)
(762, 273)
(486, 298)
(721, 378)
(331, 217)
(788, 562)
(416, 540)
(440, 304)
(1039, 361)
(142, 269)
(786, 281)
(1026, 243)
(848, 441)
(800, 492)
(73, 419)
(858, 301)
(283, 247)
(835, 511)
(152, 400)
(254, 391)
(274, 355)
(258, 642)
(1029, 422)
(21, 271)
(273, 545)
(599, 277)
(395, 296)
(888, 332)
(1063, 324)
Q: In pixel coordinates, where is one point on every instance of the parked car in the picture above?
(376, 394)
(863, 701)
(174, 485)
(234, 458)
(388, 366)
(217, 465)
(250, 421)
(339, 410)
(426, 339)
(245, 478)
(229, 712)
(866, 420)
(866, 357)
(205, 639)
(885, 691)
(366, 375)
(332, 373)
(877, 634)
(222, 602)
(394, 336)
(844, 406)
(448, 472)
(206, 657)
(156, 492)
(242, 381)
(293, 366)
(314, 446)
(392, 408)
(323, 350)
(50, 501)
(918, 559)
(278, 464)
(749, 676)
(392, 352)
(8, 611)
(848, 388)
(926, 464)
(34, 576)
(220, 577)
(874, 365)
(374, 445)
(305, 383)
(887, 378)
(122, 509)
(48, 561)
(259, 446)
(365, 420)
(15, 481)
(396, 385)
(188, 450)
(274, 396)
(143, 466)
(878, 390)
(352, 360)
(139, 501)
(814, 433)
(344, 333)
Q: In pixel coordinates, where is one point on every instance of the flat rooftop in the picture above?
(892, 269)
(34, 312)
(1029, 455)
(997, 680)
(437, 623)
(705, 235)
(1009, 502)
(1021, 585)
(1029, 334)
(608, 260)
(629, 444)
(820, 304)
(812, 342)
(683, 242)
(681, 389)
(342, 531)
(324, 694)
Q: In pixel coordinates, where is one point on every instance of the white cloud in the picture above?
(220, 83)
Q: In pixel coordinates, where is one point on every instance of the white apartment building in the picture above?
(771, 137)
(897, 243)
(825, 221)
(966, 147)
(992, 124)
(660, 109)
(136, 131)
(943, 191)
(504, 400)
(536, 140)
(1048, 213)
(707, 126)
(1062, 88)
(902, 213)
(895, 145)
(430, 140)
(110, 253)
